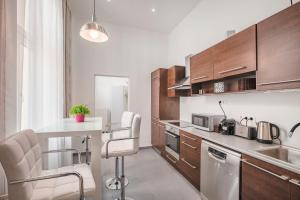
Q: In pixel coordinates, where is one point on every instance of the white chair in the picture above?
(21, 158)
(121, 147)
(124, 131)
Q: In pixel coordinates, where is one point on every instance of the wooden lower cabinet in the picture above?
(189, 159)
(295, 187)
(162, 137)
(263, 181)
(295, 191)
(158, 135)
(155, 134)
(171, 159)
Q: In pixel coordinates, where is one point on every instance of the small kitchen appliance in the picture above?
(227, 126)
(206, 122)
(172, 141)
(245, 131)
(267, 132)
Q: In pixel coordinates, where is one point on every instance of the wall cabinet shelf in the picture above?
(240, 83)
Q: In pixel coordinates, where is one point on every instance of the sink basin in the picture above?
(285, 154)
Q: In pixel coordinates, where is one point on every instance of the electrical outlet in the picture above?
(222, 102)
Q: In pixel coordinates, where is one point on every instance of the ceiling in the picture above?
(136, 13)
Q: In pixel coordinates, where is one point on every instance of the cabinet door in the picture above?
(259, 182)
(155, 134)
(278, 43)
(236, 55)
(155, 92)
(295, 189)
(202, 67)
(162, 137)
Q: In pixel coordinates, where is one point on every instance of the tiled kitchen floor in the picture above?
(150, 178)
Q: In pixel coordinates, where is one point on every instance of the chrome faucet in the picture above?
(293, 129)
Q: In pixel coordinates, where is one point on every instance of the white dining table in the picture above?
(69, 128)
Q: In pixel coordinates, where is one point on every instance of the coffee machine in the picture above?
(227, 126)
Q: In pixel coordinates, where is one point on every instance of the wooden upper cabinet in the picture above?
(278, 43)
(162, 107)
(202, 67)
(155, 87)
(176, 74)
(236, 55)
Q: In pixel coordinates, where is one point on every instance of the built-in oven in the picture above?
(172, 141)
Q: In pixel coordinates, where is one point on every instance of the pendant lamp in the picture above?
(93, 31)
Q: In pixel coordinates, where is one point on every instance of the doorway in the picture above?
(111, 98)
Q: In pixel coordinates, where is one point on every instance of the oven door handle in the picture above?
(170, 134)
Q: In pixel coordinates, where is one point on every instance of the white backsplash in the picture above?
(279, 107)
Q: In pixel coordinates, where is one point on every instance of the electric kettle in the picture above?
(267, 132)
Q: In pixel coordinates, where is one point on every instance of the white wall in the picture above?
(130, 52)
(205, 26)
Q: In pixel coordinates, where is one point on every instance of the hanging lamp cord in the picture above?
(94, 12)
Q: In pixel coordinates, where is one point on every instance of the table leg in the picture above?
(44, 147)
(96, 145)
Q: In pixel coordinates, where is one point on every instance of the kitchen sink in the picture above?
(283, 153)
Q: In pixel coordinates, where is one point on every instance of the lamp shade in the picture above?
(93, 32)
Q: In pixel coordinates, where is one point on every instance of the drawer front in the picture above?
(190, 170)
(190, 141)
(193, 157)
(168, 157)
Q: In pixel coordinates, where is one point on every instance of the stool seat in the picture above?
(119, 148)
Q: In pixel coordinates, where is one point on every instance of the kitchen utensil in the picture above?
(267, 132)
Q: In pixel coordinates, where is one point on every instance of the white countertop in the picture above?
(238, 144)
(68, 126)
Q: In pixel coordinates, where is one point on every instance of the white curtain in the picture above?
(2, 85)
(43, 64)
(42, 84)
(2, 67)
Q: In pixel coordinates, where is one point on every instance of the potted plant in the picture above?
(79, 111)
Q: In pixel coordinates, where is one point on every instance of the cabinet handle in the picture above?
(295, 181)
(282, 177)
(188, 137)
(189, 164)
(200, 77)
(186, 144)
(169, 158)
(279, 82)
(232, 70)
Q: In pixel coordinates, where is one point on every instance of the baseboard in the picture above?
(145, 147)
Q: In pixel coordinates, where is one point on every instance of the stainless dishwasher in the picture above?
(220, 173)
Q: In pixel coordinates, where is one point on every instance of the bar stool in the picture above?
(124, 131)
(122, 147)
